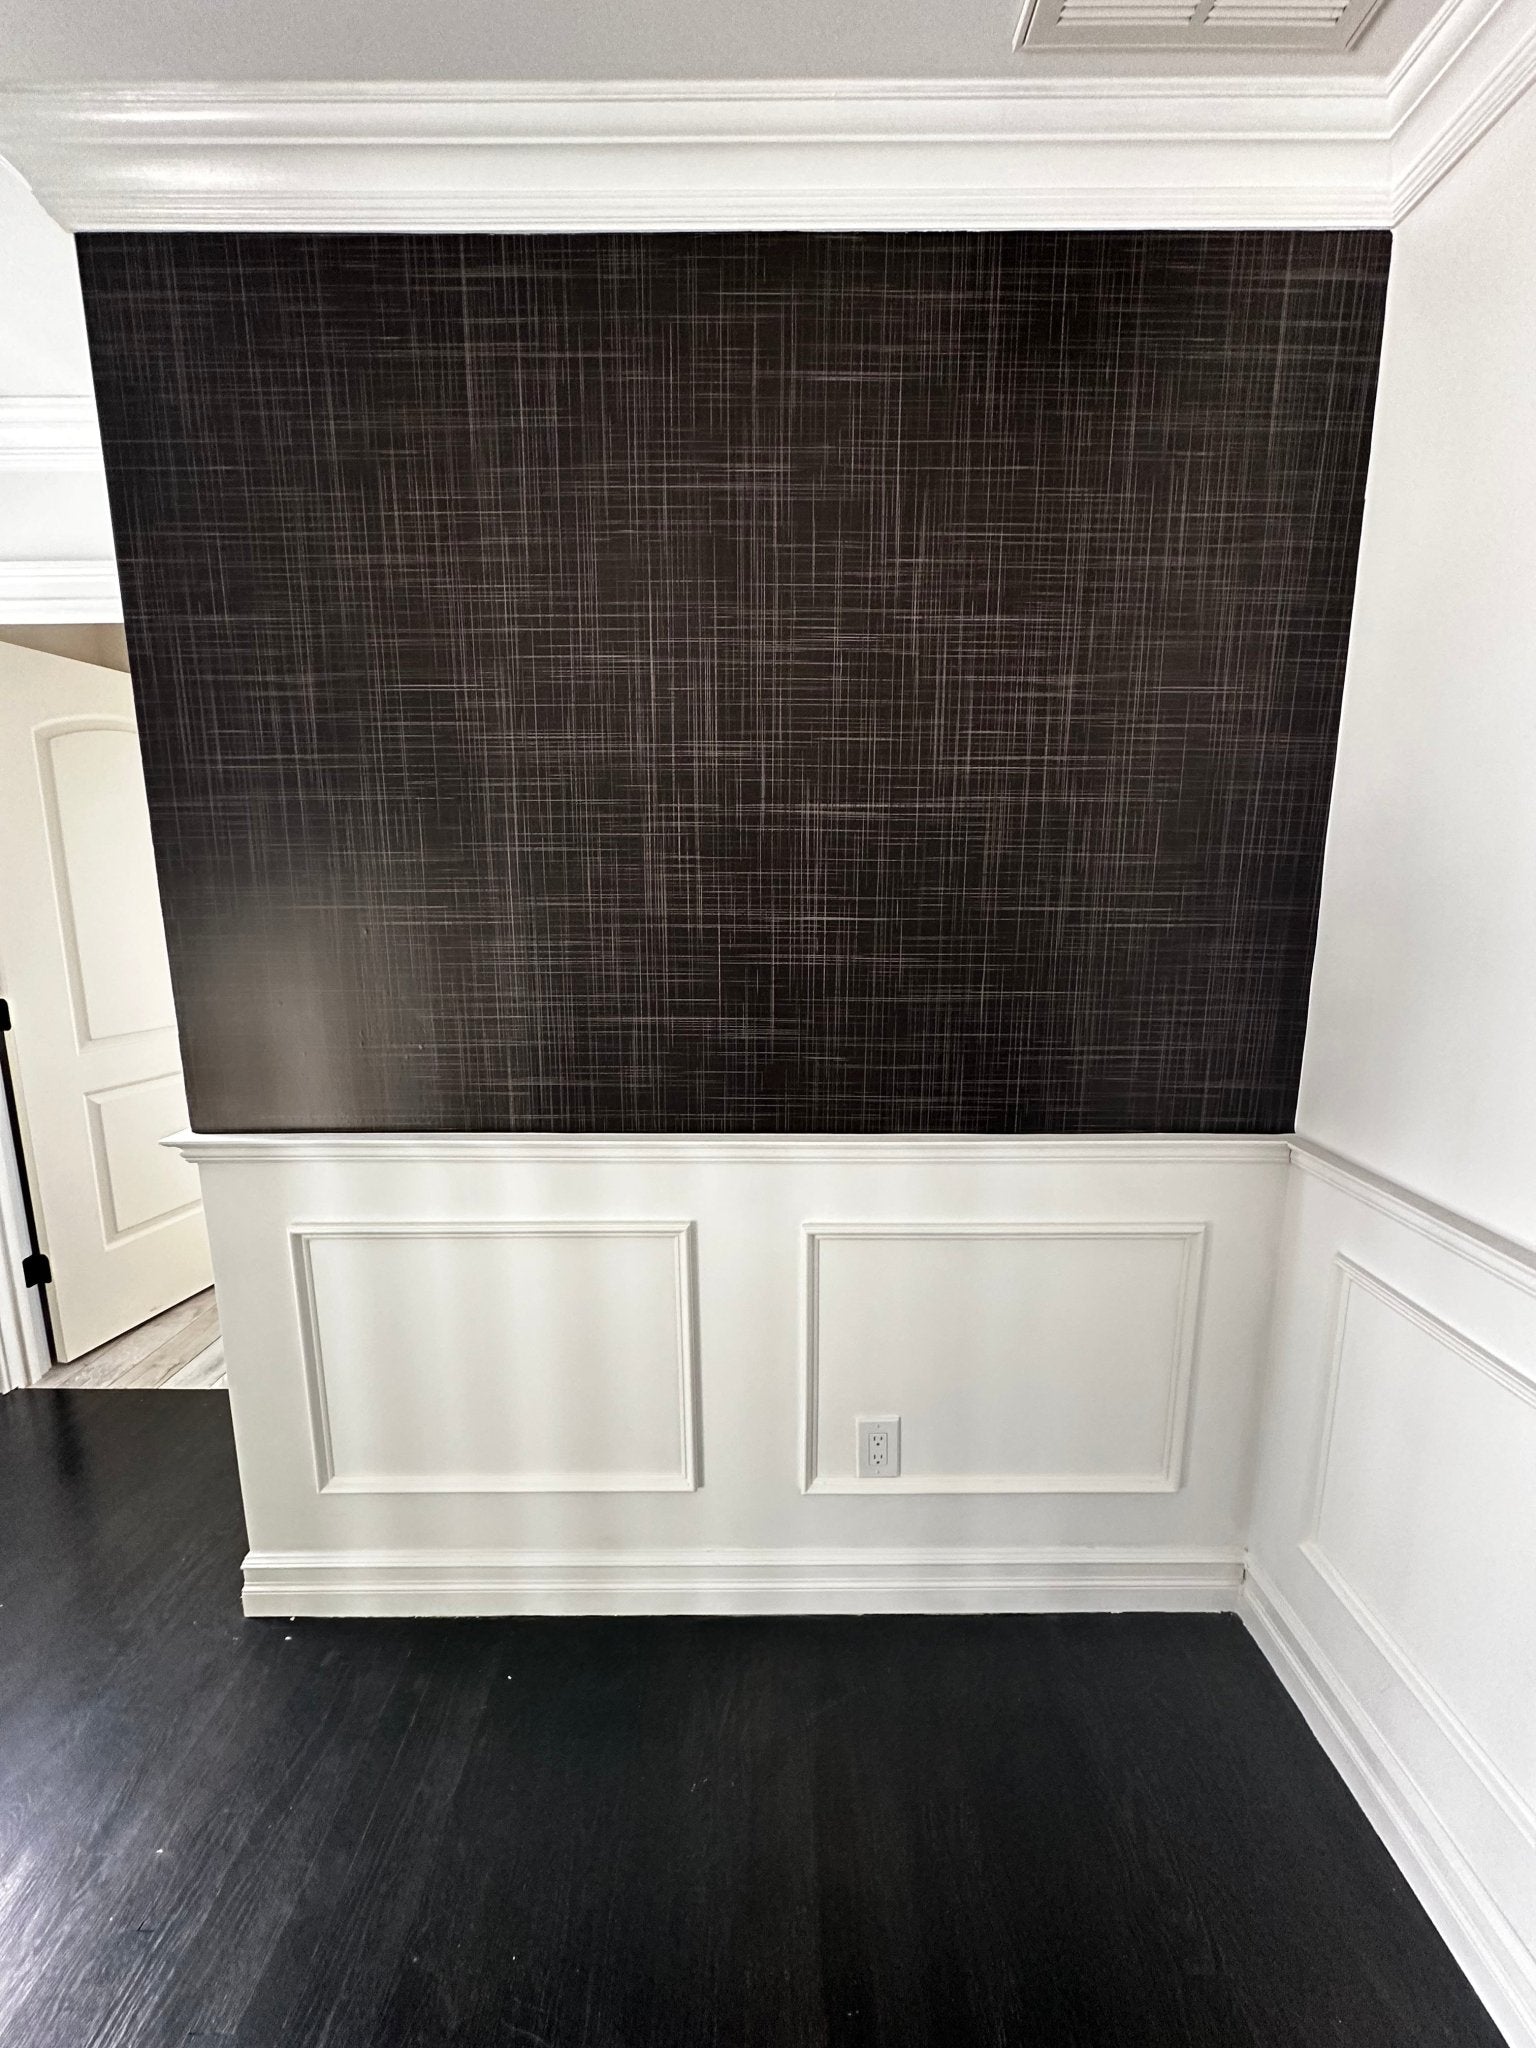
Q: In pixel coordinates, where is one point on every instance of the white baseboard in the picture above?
(850, 1581)
(1497, 1963)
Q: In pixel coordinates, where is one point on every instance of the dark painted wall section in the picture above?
(739, 682)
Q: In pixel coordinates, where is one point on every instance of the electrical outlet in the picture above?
(879, 1446)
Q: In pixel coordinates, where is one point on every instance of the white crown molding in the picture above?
(67, 593)
(495, 1148)
(1027, 152)
(1453, 87)
(43, 434)
(829, 155)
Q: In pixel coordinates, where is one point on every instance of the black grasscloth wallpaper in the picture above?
(739, 682)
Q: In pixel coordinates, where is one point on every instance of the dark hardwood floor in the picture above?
(641, 1834)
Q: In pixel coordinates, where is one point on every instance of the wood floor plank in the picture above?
(183, 1344)
(137, 1358)
(206, 1369)
(887, 1832)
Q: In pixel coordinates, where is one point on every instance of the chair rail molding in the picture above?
(1028, 151)
(553, 1148)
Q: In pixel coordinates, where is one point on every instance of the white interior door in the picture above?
(92, 1045)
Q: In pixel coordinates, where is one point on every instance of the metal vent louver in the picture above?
(1191, 24)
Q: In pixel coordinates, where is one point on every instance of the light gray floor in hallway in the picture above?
(179, 1348)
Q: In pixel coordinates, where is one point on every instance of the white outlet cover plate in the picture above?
(871, 1429)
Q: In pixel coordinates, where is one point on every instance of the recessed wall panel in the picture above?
(1426, 1519)
(139, 1177)
(1019, 1358)
(509, 1358)
(110, 918)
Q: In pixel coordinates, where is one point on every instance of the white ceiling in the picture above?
(131, 42)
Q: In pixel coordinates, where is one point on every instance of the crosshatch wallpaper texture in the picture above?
(754, 682)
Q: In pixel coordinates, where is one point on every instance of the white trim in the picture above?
(1167, 1479)
(850, 1581)
(1514, 1380)
(49, 434)
(1499, 1966)
(1500, 1787)
(1469, 69)
(113, 1232)
(301, 1236)
(822, 154)
(55, 593)
(513, 1148)
(1025, 151)
(1501, 1257)
(23, 1340)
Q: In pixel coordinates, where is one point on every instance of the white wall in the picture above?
(1393, 1542)
(55, 527)
(43, 348)
(1421, 1044)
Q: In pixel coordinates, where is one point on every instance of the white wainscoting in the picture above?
(1022, 1357)
(537, 1357)
(955, 1579)
(1392, 1575)
(545, 1375)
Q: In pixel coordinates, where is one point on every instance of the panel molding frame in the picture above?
(1167, 1479)
(682, 1234)
(1351, 1275)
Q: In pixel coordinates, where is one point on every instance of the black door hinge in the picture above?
(35, 1270)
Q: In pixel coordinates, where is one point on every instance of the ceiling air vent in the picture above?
(1191, 24)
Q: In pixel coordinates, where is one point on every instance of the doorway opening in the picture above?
(107, 1280)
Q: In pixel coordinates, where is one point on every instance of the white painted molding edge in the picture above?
(1464, 74)
(823, 154)
(1501, 1256)
(1167, 1479)
(1350, 1275)
(59, 593)
(49, 434)
(542, 1148)
(1026, 151)
(680, 1233)
(1501, 1969)
(23, 1343)
(851, 1581)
